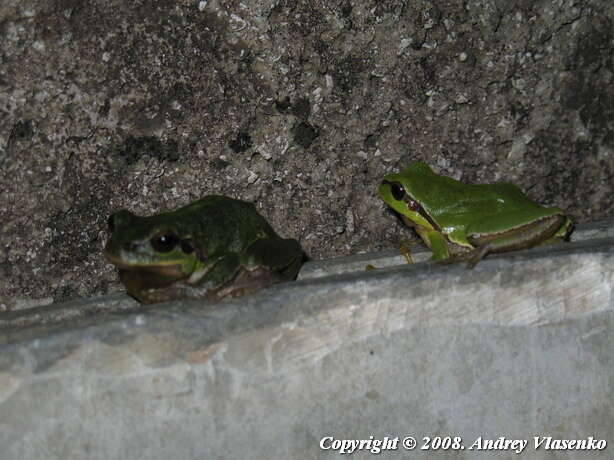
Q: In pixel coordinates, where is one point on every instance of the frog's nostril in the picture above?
(187, 247)
(130, 246)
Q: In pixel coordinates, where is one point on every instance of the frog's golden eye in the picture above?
(164, 242)
(397, 191)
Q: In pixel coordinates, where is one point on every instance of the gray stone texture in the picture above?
(299, 106)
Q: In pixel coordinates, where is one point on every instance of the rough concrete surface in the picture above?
(520, 346)
(299, 106)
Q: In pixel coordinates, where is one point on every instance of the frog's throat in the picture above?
(415, 225)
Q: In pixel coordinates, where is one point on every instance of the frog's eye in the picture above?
(111, 224)
(164, 242)
(397, 191)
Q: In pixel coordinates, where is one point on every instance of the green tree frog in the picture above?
(468, 221)
(213, 248)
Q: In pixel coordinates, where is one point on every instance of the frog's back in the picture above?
(216, 209)
(223, 222)
(443, 196)
(456, 204)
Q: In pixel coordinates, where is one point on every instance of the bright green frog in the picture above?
(467, 221)
(213, 248)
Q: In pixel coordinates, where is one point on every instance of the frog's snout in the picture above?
(130, 246)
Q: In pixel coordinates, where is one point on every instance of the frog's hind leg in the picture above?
(523, 237)
(267, 261)
(291, 271)
(284, 256)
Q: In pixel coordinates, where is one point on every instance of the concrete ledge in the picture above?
(46, 315)
(520, 346)
(591, 231)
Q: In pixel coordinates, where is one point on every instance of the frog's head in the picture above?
(152, 244)
(402, 192)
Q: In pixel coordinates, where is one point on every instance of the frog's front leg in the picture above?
(523, 237)
(436, 242)
(406, 251)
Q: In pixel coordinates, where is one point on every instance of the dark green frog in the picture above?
(213, 248)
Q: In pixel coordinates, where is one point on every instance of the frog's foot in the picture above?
(447, 261)
(405, 248)
(406, 252)
(472, 257)
(245, 282)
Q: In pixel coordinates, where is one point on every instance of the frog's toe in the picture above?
(473, 257)
(446, 261)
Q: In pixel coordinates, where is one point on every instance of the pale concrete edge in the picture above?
(280, 303)
(592, 230)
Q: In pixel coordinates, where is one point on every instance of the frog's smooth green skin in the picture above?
(468, 221)
(213, 248)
